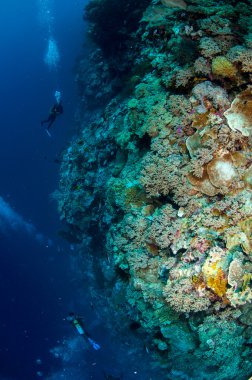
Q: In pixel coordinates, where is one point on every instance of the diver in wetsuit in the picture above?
(76, 322)
(56, 110)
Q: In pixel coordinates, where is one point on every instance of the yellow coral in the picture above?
(198, 282)
(246, 226)
(213, 274)
(218, 283)
(210, 267)
(222, 67)
(246, 280)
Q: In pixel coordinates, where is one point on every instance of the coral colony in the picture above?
(162, 177)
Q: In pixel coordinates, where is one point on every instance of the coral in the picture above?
(185, 51)
(246, 228)
(209, 47)
(203, 184)
(221, 344)
(207, 90)
(179, 337)
(218, 283)
(235, 52)
(221, 171)
(165, 227)
(214, 275)
(239, 115)
(155, 14)
(235, 274)
(183, 77)
(246, 60)
(183, 298)
(215, 25)
(222, 67)
(158, 175)
(161, 178)
(174, 3)
(239, 298)
(201, 66)
(216, 176)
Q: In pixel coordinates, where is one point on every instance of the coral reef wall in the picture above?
(163, 179)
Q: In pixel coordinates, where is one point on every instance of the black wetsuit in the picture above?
(55, 111)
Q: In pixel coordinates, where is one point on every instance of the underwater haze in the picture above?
(37, 288)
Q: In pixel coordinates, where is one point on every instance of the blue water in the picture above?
(36, 286)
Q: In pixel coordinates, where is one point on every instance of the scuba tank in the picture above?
(77, 325)
(58, 96)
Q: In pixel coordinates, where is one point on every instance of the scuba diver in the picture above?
(78, 325)
(55, 111)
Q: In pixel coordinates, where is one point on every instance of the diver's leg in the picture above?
(45, 121)
(51, 121)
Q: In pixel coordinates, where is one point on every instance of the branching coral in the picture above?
(246, 59)
(183, 298)
(159, 175)
(209, 47)
(165, 228)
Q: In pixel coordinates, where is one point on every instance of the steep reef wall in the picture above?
(163, 178)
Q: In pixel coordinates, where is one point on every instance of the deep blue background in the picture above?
(35, 281)
(26, 93)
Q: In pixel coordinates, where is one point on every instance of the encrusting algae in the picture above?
(162, 177)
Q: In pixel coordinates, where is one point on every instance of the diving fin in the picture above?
(49, 134)
(95, 345)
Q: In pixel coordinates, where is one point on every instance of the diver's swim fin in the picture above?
(49, 134)
(95, 345)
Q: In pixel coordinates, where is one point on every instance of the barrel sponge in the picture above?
(222, 67)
